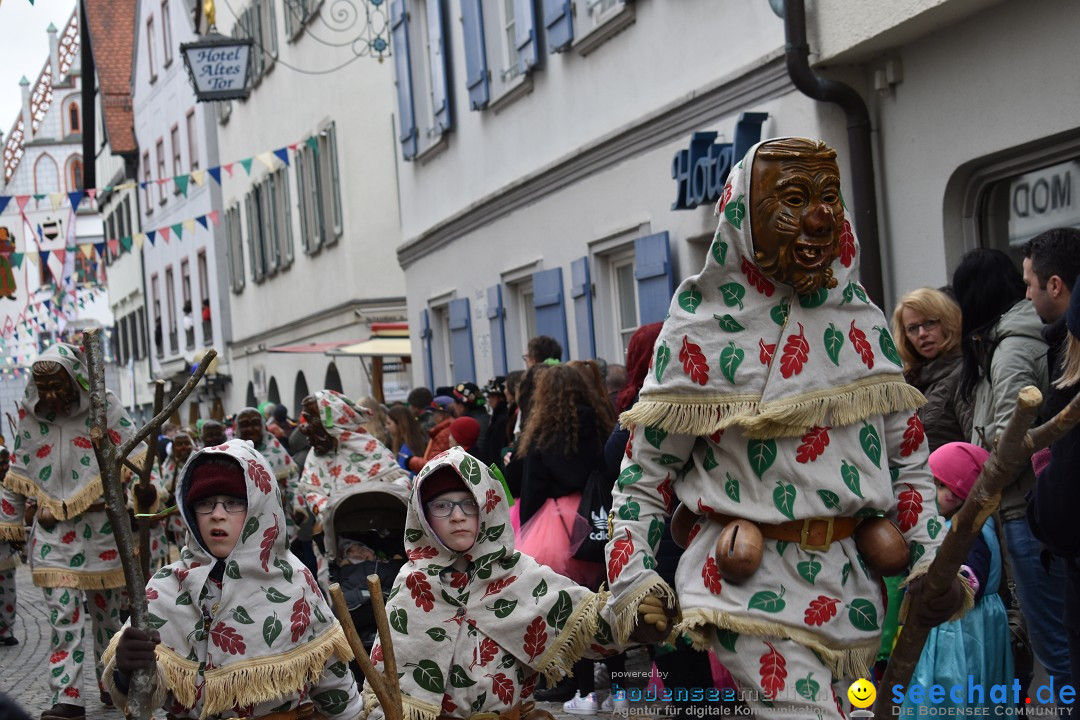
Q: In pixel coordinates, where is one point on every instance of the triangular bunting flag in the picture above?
(39, 197)
(198, 176)
(100, 247)
(228, 168)
(215, 172)
(16, 260)
(21, 201)
(60, 255)
(213, 217)
(283, 154)
(75, 198)
(182, 183)
(150, 235)
(313, 143)
(92, 193)
(247, 165)
(164, 233)
(139, 240)
(267, 159)
(189, 226)
(178, 231)
(202, 221)
(142, 185)
(162, 181)
(55, 200)
(293, 147)
(47, 304)
(87, 250)
(114, 246)
(34, 257)
(43, 255)
(4, 200)
(125, 242)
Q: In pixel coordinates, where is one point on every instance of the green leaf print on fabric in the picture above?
(719, 250)
(274, 595)
(863, 614)
(78, 560)
(240, 615)
(916, 551)
(479, 702)
(834, 340)
(45, 473)
(560, 611)
(809, 569)
(845, 573)
(871, 443)
(808, 687)
(413, 535)
(503, 607)
(710, 460)
(459, 678)
(154, 622)
(663, 357)
(850, 475)
(629, 510)
(689, 300)
(250, 528)
(888, 347)
(85, 461)
(183, 598)
(730, 359)
(629, 475)
(656, 531)
(470, 470)
(814, 299)
(648, 562)
(784, 498)
(427, 675)
(735, 212)
(332, 701)
(831, 499)
(667, 459)
(732, 294)
(779, 313)
(106, 529)
(781, 546)
(933, 527)
(45, 550)
(87, 533)
(437, 634)
(731, 487)
(727, 638)
(762, 454)
(655, 436)
(399, 620)
(728, 323)
(540, 591)
(768, 601)
(232, 570)
(285, 568)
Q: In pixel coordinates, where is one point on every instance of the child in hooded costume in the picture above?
(768, 404)
(251, 426)
(473, 622)
(12, 531)
(240, 627)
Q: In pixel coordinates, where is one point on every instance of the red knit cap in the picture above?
(957, 465)
(465, 431)
(443, 480)
(217, 475)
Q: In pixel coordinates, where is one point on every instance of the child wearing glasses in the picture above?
(240, 628)
(473, 622)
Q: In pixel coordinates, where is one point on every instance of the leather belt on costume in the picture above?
(815, 533)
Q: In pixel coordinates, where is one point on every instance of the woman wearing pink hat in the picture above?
(977, 644)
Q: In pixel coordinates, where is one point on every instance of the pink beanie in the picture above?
(957, 466)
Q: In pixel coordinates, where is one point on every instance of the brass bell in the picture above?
(882, 546)
(739, 550)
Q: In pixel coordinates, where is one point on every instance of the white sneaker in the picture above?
(578, 705)
(612, 704)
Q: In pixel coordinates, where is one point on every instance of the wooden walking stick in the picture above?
(1013, 449)
(110, 459)
(384, 684)
(144, 482)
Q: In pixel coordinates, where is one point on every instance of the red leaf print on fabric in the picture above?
(58, 657)
(847, 245)
(114, 436)
(108, 555)
(711, 575)
(703, 509)
(151, 594)
(913, 436)
(861, 345)
(529, 686)
(503, 687)
(301, 617)
(693, 361)
(22, 413)
(491, 500)
(228, 639)
(715, 437)
(448, 706)
(773, 672)
(7, 507)
(484, 653)
(100, 601)
(44, 451)
(370, 446)
(83, 442)
(374, 470)
(725, 197)
(620, 555)
(270, 535)
(630, 448)
(693, 533)
(756, 278)
(71, 692)
(421, 590)
(908, 508)
(352, 479)
(536, 637)
(311, 581)
(813, 444)
(335, 471)
(458, 580)
(667, 493)
(822, 609)
(766, 352)
(795, 353)
(425, 553)
(68, 537)
(376, 653)
(180, 574)
(260, 477)
(498, 585)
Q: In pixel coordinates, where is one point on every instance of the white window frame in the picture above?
(151, 62)
(160, 150)
(235, 244)
(597, 21)
(612, 262)
(177, 156)
(166, 33)
(297, 15)
(190, 123)
(505, 81)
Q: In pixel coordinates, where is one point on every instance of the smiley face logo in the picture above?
(862, 693)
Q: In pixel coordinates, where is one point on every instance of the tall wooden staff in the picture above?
(384, 684)
(1013, 450)
(110, 459)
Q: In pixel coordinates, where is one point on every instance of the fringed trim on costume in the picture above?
(789, 417)
(64, 509)
(51, 577)
(9, 562)
(248, 682)
(12, 532)
(412, 709)
(626, 607)
(920, 569)
(844, 662)
(558, 660)
(161, 689)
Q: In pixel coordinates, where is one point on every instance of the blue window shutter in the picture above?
(655, 277)
(559, 23)
(476, 69)
(581, 292)
(550, 309)
(440, 82)
(525, 34)
(399, 32)
(461, 348)
(425, 338)
(497, 319)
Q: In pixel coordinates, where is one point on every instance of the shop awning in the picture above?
(319, 347)
(388, 340)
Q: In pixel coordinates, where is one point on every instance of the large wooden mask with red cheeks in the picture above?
(213, 433)
(181, 447)
(249, 426)
(322, 442)
(796, 213)
(56, 390)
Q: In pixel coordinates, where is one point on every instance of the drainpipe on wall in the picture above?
(859, 145)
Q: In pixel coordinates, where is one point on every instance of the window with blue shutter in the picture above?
(476, 67)
(558, 21)
(525, 34)
(497, 319)
(440, 84)
(655, 277)
(461, 346)
(425, 340)
(550, 309)
(581, 293)
(399, 33)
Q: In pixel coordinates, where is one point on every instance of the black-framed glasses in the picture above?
(208, 505)
(929, 325)
(445, 508)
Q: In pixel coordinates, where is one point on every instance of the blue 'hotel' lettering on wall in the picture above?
(702, 170)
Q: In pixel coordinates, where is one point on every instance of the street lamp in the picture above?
(218, 65)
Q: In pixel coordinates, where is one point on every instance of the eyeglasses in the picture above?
(209, 505)
(445, 508)
(928, 325)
